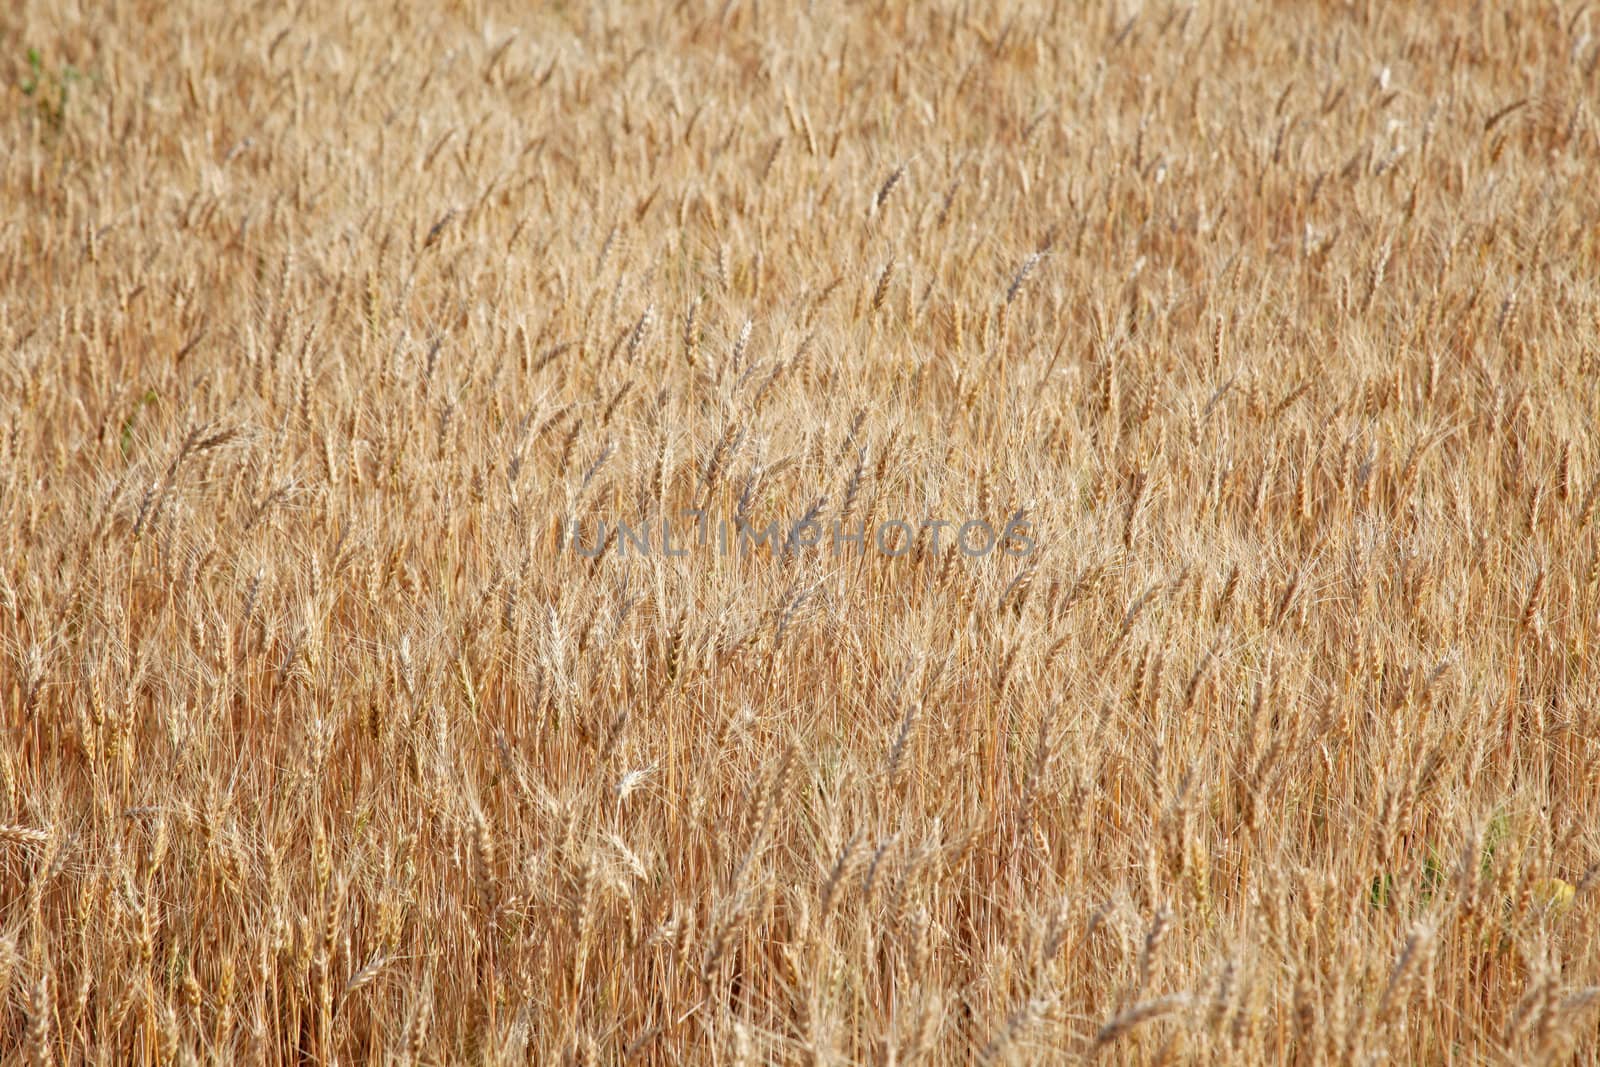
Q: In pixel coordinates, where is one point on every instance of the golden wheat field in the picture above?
(832, 533)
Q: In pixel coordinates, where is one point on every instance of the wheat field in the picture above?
(487, 506)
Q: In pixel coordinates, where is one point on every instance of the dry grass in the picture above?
(1278, 323)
